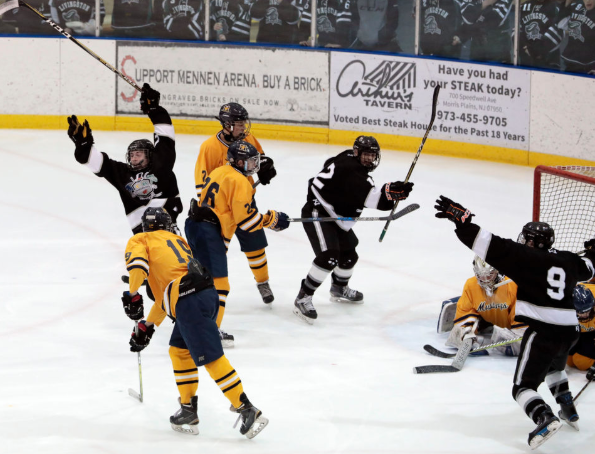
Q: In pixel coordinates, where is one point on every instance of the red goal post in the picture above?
(564, 197)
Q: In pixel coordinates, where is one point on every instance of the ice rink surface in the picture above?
(343, 385)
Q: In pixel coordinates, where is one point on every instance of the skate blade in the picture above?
(259, 424)
(545, 434)
(133, 393)
(308, 320)
(189, 429)
(573, 424)
(227, 343)
(340, 299)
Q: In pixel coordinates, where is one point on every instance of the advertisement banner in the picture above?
(393, 95)
(285, 86)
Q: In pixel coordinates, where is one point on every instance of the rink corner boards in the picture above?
(298, 133)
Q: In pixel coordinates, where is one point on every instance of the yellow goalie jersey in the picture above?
(163, 257)
(497, 309)
(213, 154)
(229, 193)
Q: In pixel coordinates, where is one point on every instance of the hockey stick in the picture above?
(434, 351)
(423, 141)
(132, 392)
(392, 217)
(581, 391)
(60, 30)
(457, 363)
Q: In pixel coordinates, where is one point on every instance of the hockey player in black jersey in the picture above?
(546, 279)
(539, 36)
(578, 24)
(343, 188)
(147, 178)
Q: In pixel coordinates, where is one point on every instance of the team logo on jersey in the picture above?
(486, 307)
(71, 16)
(273, 17)
(532, 31)
(574, 31)
(324, 25)
(143, 186)
(431, 26)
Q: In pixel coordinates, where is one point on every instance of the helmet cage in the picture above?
(584, 303)
(486, 275)
(244, 157)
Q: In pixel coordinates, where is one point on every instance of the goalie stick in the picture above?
(132, 392)
(15, 4)
(434, 351)
(391, 217)
(423, 141)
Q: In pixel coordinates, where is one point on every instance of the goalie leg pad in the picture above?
(447, 315)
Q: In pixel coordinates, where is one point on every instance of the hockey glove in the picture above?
(590, 245)
(133, 305)
(80, 134)
(149, 99)
(453, 211)
(397, 190)
(267, 170)
(276, 220)
(139, 341)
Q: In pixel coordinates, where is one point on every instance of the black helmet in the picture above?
(540, 233)
(244, 156)
(156, 219)
(367, 144)
(140, 145)
(230, 114)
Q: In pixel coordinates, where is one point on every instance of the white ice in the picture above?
(343, 385)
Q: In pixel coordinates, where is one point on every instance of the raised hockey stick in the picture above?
(423, 141)
(132, 392)
(434, 351)
(60, 30)
(391, 217)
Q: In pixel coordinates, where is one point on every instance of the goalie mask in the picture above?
(487, 275)
(134, 155)
(583, 303)
(156, 219)
(367, 151)
(537, 234)
(235, 121)
(244, 157)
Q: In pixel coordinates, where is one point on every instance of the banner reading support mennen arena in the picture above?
(393, 95)
(284, 86)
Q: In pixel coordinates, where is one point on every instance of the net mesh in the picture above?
(567, 203)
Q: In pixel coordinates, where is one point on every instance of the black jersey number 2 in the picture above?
(556, 279)
(184, 248)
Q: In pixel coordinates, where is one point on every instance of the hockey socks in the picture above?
(185, 372)
(222, 286)
(259, 265)
(227, 379)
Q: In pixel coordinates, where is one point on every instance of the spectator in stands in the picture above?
(182, 19)
(539, 35)
(134, 19)
(277, 21)
(375, 25)
(578, 24)
(333, 22)
(29, 23)
(78, 17)
(230, 20)
(438, 35)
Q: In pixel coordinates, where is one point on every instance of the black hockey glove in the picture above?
(397, 190)
(149, 99)
(202, 214)
(453, 211)
(590, 245)
(276, 220)
(133, 305)
(139, 341)
(267, 170)
(80, 134)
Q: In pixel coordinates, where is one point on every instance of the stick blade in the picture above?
(7, 5)
(408, 209)
(434, 369)
(435, 352)
(134, 394)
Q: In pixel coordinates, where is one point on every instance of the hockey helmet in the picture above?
(233, 115)
(140, 145)
(156, 219)
(537, 234)
(486, 275)
(583, 303)
(368, 146)
(244, 157)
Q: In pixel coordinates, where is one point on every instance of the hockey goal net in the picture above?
(564, 197)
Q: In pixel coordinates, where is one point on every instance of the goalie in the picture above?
(485, 309)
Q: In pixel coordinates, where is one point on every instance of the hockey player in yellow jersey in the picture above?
(235, 124)
(486, 304)
(184, 292)
(582, 355)
(226, 207)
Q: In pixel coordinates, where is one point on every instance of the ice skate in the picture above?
(226, 339)
(265, 292)
(547, 425)
(568, 412)
(304, 308)
(344, 294)
(185, 420)
(251, 417)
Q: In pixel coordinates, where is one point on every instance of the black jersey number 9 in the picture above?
(184, 249)
(209, 198)
(556, 279)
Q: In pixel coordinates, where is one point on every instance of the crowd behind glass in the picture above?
(554, 34)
